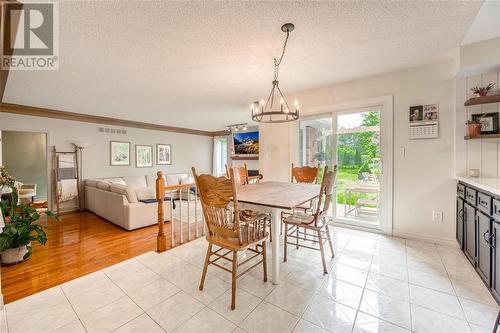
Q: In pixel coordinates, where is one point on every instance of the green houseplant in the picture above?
(20, 228)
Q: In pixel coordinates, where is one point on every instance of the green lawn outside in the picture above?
(348, 175)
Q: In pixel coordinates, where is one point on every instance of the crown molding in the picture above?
(87, 118)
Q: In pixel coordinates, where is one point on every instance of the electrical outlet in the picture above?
(437, 216)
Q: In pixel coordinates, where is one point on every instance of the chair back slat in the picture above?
(240, 174)
(304, 174)
(216, 196)
(326, 193)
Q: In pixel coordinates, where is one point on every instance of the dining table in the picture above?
(277, 196)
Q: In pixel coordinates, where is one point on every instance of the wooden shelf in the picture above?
(482, 100)
(242, 157)
(483, 136)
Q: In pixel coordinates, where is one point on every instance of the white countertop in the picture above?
(490, 184)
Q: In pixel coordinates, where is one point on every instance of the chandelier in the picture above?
(275, 109)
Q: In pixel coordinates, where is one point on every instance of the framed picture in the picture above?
(119, 153)
(416, 113)
(431, 112)
(489, 122)
(143, 156)
(163, 154)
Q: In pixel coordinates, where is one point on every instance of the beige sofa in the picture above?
(129, 201)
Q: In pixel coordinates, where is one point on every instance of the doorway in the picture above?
(357, 137)
(24, 155)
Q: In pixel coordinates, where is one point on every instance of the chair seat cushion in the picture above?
(249, 238)
(303, 220)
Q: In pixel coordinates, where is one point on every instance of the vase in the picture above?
(474, 130)
(15, 255)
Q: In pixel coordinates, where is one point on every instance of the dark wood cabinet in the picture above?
(495, 260)
(478, 232)
(460, 222)
(470, 233)
(483, 248)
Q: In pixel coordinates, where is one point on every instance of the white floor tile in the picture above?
(349, 274)
(387, 286)
(156, 292)
(43, 319)
(111, 316)
(254, 284)
(369, 324)
(330, 315)
(269, 318)
(386, 308)
(435, 300)
(290, 297)
(38, 301)
(245, 303)
(431, 281)
(427, 321)
(141, 324)
(303, 326)
(132, 280)
(174, 311)
(390, 270)
(479, 314)
(205, 321)
(474, 290)
(342, 292)
(73, 327)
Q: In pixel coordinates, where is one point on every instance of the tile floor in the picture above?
(376, 284)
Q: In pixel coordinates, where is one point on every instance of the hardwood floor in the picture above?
(81, 243)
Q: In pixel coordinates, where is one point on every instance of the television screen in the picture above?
(246, 143)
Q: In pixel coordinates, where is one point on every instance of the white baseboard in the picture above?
(425, 238)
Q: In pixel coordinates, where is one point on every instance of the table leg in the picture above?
(275, 245)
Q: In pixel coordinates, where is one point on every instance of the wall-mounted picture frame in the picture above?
(143, 156)
(416, 113)
(163, 154)
(119, 153)
(489, 122)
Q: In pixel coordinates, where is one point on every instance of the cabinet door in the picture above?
(495, 271)
(460, 223)
(470, 233)
(483, 246)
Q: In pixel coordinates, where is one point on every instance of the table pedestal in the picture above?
(275, 245)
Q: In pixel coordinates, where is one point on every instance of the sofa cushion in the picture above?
(187, 180)
(91, 182)
(135, 181)
(175, 179)
(103, 185)
(125, 190)
(115, 181)
(151, 179)
(145, 193)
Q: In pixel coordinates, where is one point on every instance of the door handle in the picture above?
(484, 236)
(492, 240)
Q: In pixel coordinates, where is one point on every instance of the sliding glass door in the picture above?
(357, 140)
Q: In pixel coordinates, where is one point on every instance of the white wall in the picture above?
(480, 154)
(187, 150)
(423, 177)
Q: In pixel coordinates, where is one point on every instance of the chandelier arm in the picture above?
(284, 100)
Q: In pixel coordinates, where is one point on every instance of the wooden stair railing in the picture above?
(161, 194)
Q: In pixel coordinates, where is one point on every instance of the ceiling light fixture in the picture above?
(276, 109)
(237, 127)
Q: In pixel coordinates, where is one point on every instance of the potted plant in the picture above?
(20, 228)
(474, 127)
(482, 91)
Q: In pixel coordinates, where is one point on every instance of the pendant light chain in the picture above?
(267, 111)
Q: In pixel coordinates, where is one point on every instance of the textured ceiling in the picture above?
(200, 64)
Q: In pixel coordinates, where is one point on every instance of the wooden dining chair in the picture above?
(241, 175)
(297, 224)
(305, 174)
(226, 230)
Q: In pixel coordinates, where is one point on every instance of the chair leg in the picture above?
(285, 243)
(297, 239)
(264, 260)
(325, 270)
(233, 280)
(205, 267)
(330, 241)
